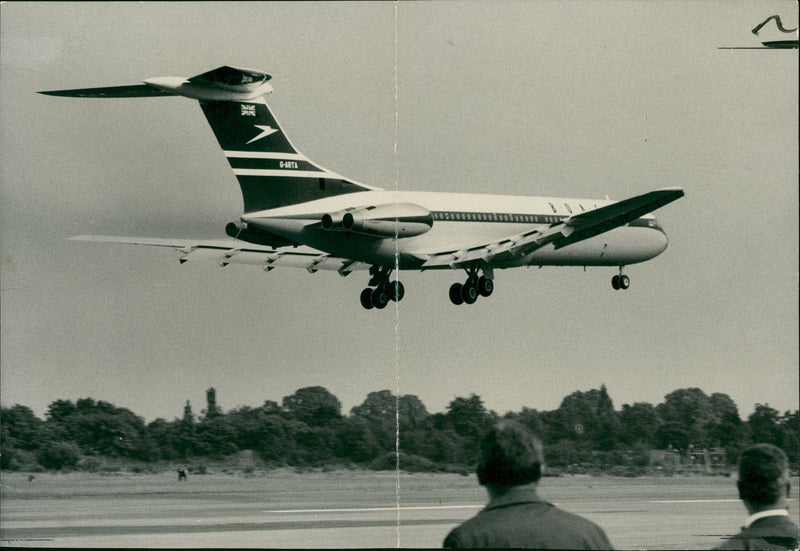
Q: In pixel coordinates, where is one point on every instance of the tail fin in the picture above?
(271, 172)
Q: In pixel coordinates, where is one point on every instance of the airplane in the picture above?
(779, 44)
(298, 214)
(769, 44)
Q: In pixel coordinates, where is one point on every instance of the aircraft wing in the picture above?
(570, 230)
(224, 252)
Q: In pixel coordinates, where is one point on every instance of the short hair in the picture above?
(511, 455)
(763, 471)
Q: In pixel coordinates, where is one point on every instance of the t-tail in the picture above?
(270, 170)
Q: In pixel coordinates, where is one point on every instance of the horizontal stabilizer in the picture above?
(221, 84)
(133, 91)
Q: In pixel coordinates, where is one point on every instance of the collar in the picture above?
(515, 496)
(768, 513)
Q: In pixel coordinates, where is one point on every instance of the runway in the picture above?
(341, 510)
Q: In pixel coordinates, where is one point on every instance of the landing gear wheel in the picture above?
(469, 292)
(624, 282)
(455, 294)
(379, 298)
(366, 298)
(397, 291)
(485, 286)
(615, 282)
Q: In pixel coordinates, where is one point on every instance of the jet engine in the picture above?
(389, 220)
(253, 234)
(333, 221)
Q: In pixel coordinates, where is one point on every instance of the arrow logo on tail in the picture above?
(265, 131)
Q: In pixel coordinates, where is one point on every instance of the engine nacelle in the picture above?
(252, 234)
(389, 220)
(233, 229)
(333, 221)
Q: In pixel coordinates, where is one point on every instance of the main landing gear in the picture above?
(475, 286)
(620, 281)
(383, 291)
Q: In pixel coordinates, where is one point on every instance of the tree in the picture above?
(764, 425)
(313, 405)
(790, 430)
(97, 427)
(469, 417)
(20, 428)
(671, 434)
(531, 419)
(381, 405)
(379, 412)
(216, 436)
(639, 423)
(589, 417)
(413, 426)
(688, 410)
(185, 439)
(59, 410)
(163, 436)
(469, 420)
(212, 410)
(355, 441)
(607, 426)
(412, 412)
(57, 455)
(726, 428)
(188, 416)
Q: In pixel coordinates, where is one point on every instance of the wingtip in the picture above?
(674, 189)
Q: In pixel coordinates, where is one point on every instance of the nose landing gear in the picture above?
(383, 291)
(620, 281)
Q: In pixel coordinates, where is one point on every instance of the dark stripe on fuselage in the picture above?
(519, 218)
(272, 164)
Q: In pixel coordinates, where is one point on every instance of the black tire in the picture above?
(380, 298)
(624, 282)
(397, 291)
(366, 298)
(615, 282)
(469, 292)
(455, 294)
(485, 286)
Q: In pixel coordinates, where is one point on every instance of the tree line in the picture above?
(309, 429)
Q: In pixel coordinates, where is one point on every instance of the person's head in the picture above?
(763, 477)
(511, 455)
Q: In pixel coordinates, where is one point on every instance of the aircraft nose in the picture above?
(662, 241)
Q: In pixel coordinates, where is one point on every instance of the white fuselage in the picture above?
(463, 220)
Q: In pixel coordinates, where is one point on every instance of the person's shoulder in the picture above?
(585, 526)
(778, 533)
(461, 534)
(573, 518)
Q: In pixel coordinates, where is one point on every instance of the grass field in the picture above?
(340, 509)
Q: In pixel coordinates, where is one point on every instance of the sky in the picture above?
(573, 99)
